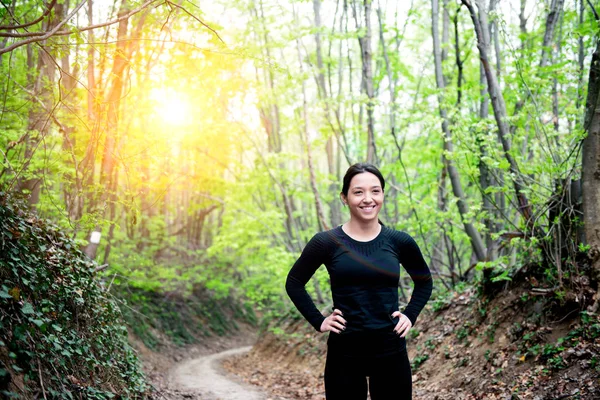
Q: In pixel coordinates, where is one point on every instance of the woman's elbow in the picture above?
(292, 284)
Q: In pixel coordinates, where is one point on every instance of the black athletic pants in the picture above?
(390, 377)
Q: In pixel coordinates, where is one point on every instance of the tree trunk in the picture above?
(475, 237)
(40, 115)
(304, 135)
(270, 113)
(591, 168)
(494, 33)
(499, 107)
(107, 173)
(334, 205)
(367, 76)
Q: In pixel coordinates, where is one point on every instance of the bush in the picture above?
(61, 335)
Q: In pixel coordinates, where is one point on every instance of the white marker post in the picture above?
(95, 237)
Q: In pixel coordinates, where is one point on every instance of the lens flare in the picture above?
(173, 108)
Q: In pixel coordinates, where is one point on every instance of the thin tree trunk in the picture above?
(445, 36)
(364, 41)
(107, 174)
(304, 135)
(334, 205)
(551, 20)
(273, 108)
(40, 114)
(499, 107)
(475, 237)
(494, 33)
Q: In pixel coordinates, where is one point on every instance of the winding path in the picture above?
(206, 376)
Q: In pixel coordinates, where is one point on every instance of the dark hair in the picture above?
(359, 168)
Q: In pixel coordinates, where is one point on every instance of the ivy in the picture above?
(58, 327)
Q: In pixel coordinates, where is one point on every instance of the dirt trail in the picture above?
(205, 377)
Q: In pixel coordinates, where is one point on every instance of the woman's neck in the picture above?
(362, 230)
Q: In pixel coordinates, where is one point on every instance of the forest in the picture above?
(183, 145)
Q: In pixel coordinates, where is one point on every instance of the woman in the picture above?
(367, 332)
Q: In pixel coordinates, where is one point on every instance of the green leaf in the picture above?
(502, 277)
(27, 308)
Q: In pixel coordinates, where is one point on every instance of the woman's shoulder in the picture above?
(397, 236)
(330, 235)
(326, 237)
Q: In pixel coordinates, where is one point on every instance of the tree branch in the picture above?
(25, 25)
(45, 36)
(593, 10)
(170, 3)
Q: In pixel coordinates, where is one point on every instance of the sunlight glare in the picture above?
(172, 107)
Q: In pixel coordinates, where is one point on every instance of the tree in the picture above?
(476, 241)
(591, 167)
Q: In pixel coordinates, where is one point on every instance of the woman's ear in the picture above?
(344, 199)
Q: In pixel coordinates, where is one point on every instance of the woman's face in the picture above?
(365, 197)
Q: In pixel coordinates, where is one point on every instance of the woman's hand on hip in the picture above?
(334, 322)
(403, 326)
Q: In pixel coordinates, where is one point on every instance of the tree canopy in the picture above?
(206, 142)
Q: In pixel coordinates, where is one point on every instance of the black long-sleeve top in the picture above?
(364, 279)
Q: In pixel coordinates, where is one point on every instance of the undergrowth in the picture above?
(182, 318)
(61, 335)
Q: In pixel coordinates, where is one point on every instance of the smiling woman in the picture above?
(172, 107)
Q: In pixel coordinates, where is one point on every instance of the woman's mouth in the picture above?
(368, 208)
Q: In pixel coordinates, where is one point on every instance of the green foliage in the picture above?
(184, 318)
(463, 332)
(57, 324)
(418, 361)
(490, 331)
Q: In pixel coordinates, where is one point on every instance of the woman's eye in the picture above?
(357, 193)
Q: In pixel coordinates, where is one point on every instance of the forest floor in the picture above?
(510, 347)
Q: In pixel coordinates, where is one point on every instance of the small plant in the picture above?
(482, 308)
(557, 362)
(277, 331)
(430, 344)
(490, 332)
(414, 333)
(528, 336)
(583, 248)
(534, 350)
(440, 303)
(418, 361)
(446, 352)
(462, 362)
(463, 332)
(487, 354)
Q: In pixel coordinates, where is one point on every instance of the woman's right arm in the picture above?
(312, 257)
